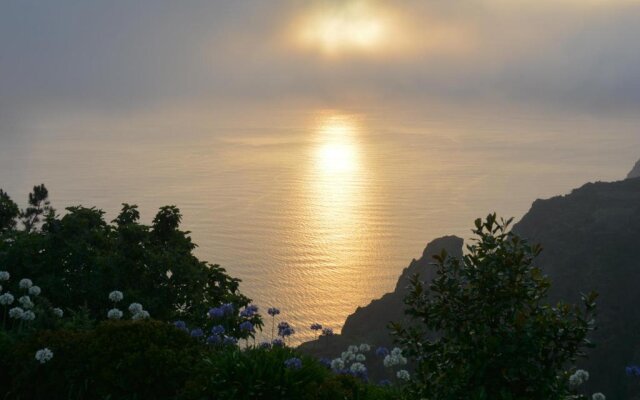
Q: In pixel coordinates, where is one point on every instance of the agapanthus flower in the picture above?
(284, 329)
(265, 345)
(249, 311)
(135, 308)
(632, 370)
(358, 368)
(364, 348)
(44, 355)
(217, 330)
(403, 374)
(214, 339)
(293, 363)
(273, 311)
(382, 352)
(142, 314)
(231, 341)
(6, 299)
(216, 312)
(35, 290)
(16, 312)
(578, 378)
(348, 356)
(337, 364)
(598, 396)
(114, 313)
(228, 309)
(58, 312)
(28, 316)
(316, 327)
(277, 342)
(394, 358)
(4, 276)
(25, 301)
(197, 332)
(180, 325)
(25, 283)
(361, 358)
(327, 332)
(116, 296)
(353, 349)
(247, 326)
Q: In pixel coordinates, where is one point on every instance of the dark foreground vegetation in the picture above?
(122, 310)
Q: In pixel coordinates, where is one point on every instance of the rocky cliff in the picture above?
(591, 241)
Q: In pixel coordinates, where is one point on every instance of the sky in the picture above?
(133, 62)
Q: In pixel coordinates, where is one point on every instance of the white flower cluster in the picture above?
(25, 283)
(116, 296)
(578, 378)
(394, 358)
(6, 299)
(58, 312)
(357, 368)
(403, 374)
(114, 313)
(354, 355)
(138, 311)
(35, 290)
(16, 313)
(44, 355)
(337, 364)
(598, 396)
(4, 276)
(25, 302)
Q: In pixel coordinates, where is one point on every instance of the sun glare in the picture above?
(337, 153)
(348, 26)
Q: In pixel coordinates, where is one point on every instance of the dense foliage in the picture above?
(79, 257)
(495, 336)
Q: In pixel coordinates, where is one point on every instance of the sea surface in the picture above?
(319, 210)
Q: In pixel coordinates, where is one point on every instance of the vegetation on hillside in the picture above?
(97, 310)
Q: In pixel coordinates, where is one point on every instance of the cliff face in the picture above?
(635, 172)
(591, 241)
(369, 324)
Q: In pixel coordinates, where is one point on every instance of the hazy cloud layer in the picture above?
(121, 56)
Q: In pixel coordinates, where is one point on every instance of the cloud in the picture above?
(134, 57)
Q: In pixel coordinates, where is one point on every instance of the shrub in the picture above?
(119, 359)
(484, 330)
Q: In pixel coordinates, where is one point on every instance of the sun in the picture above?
(348, 26)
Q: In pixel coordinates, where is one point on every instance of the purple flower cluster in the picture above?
(277, 343)
(249, 311)
(284, 329)
(327, 332)
(197, 332)
(382, 352)
(293, 363)
(181, 325)
(217, 330)
(273, 311)
(223, 310)
(316, 327)
(632, 370)
(247, 326)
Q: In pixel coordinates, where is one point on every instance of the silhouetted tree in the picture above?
(38, 207)
(9, 211)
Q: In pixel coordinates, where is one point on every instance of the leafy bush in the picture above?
(78, 258)
(270, 373)
(492, 336)
(119, 359)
